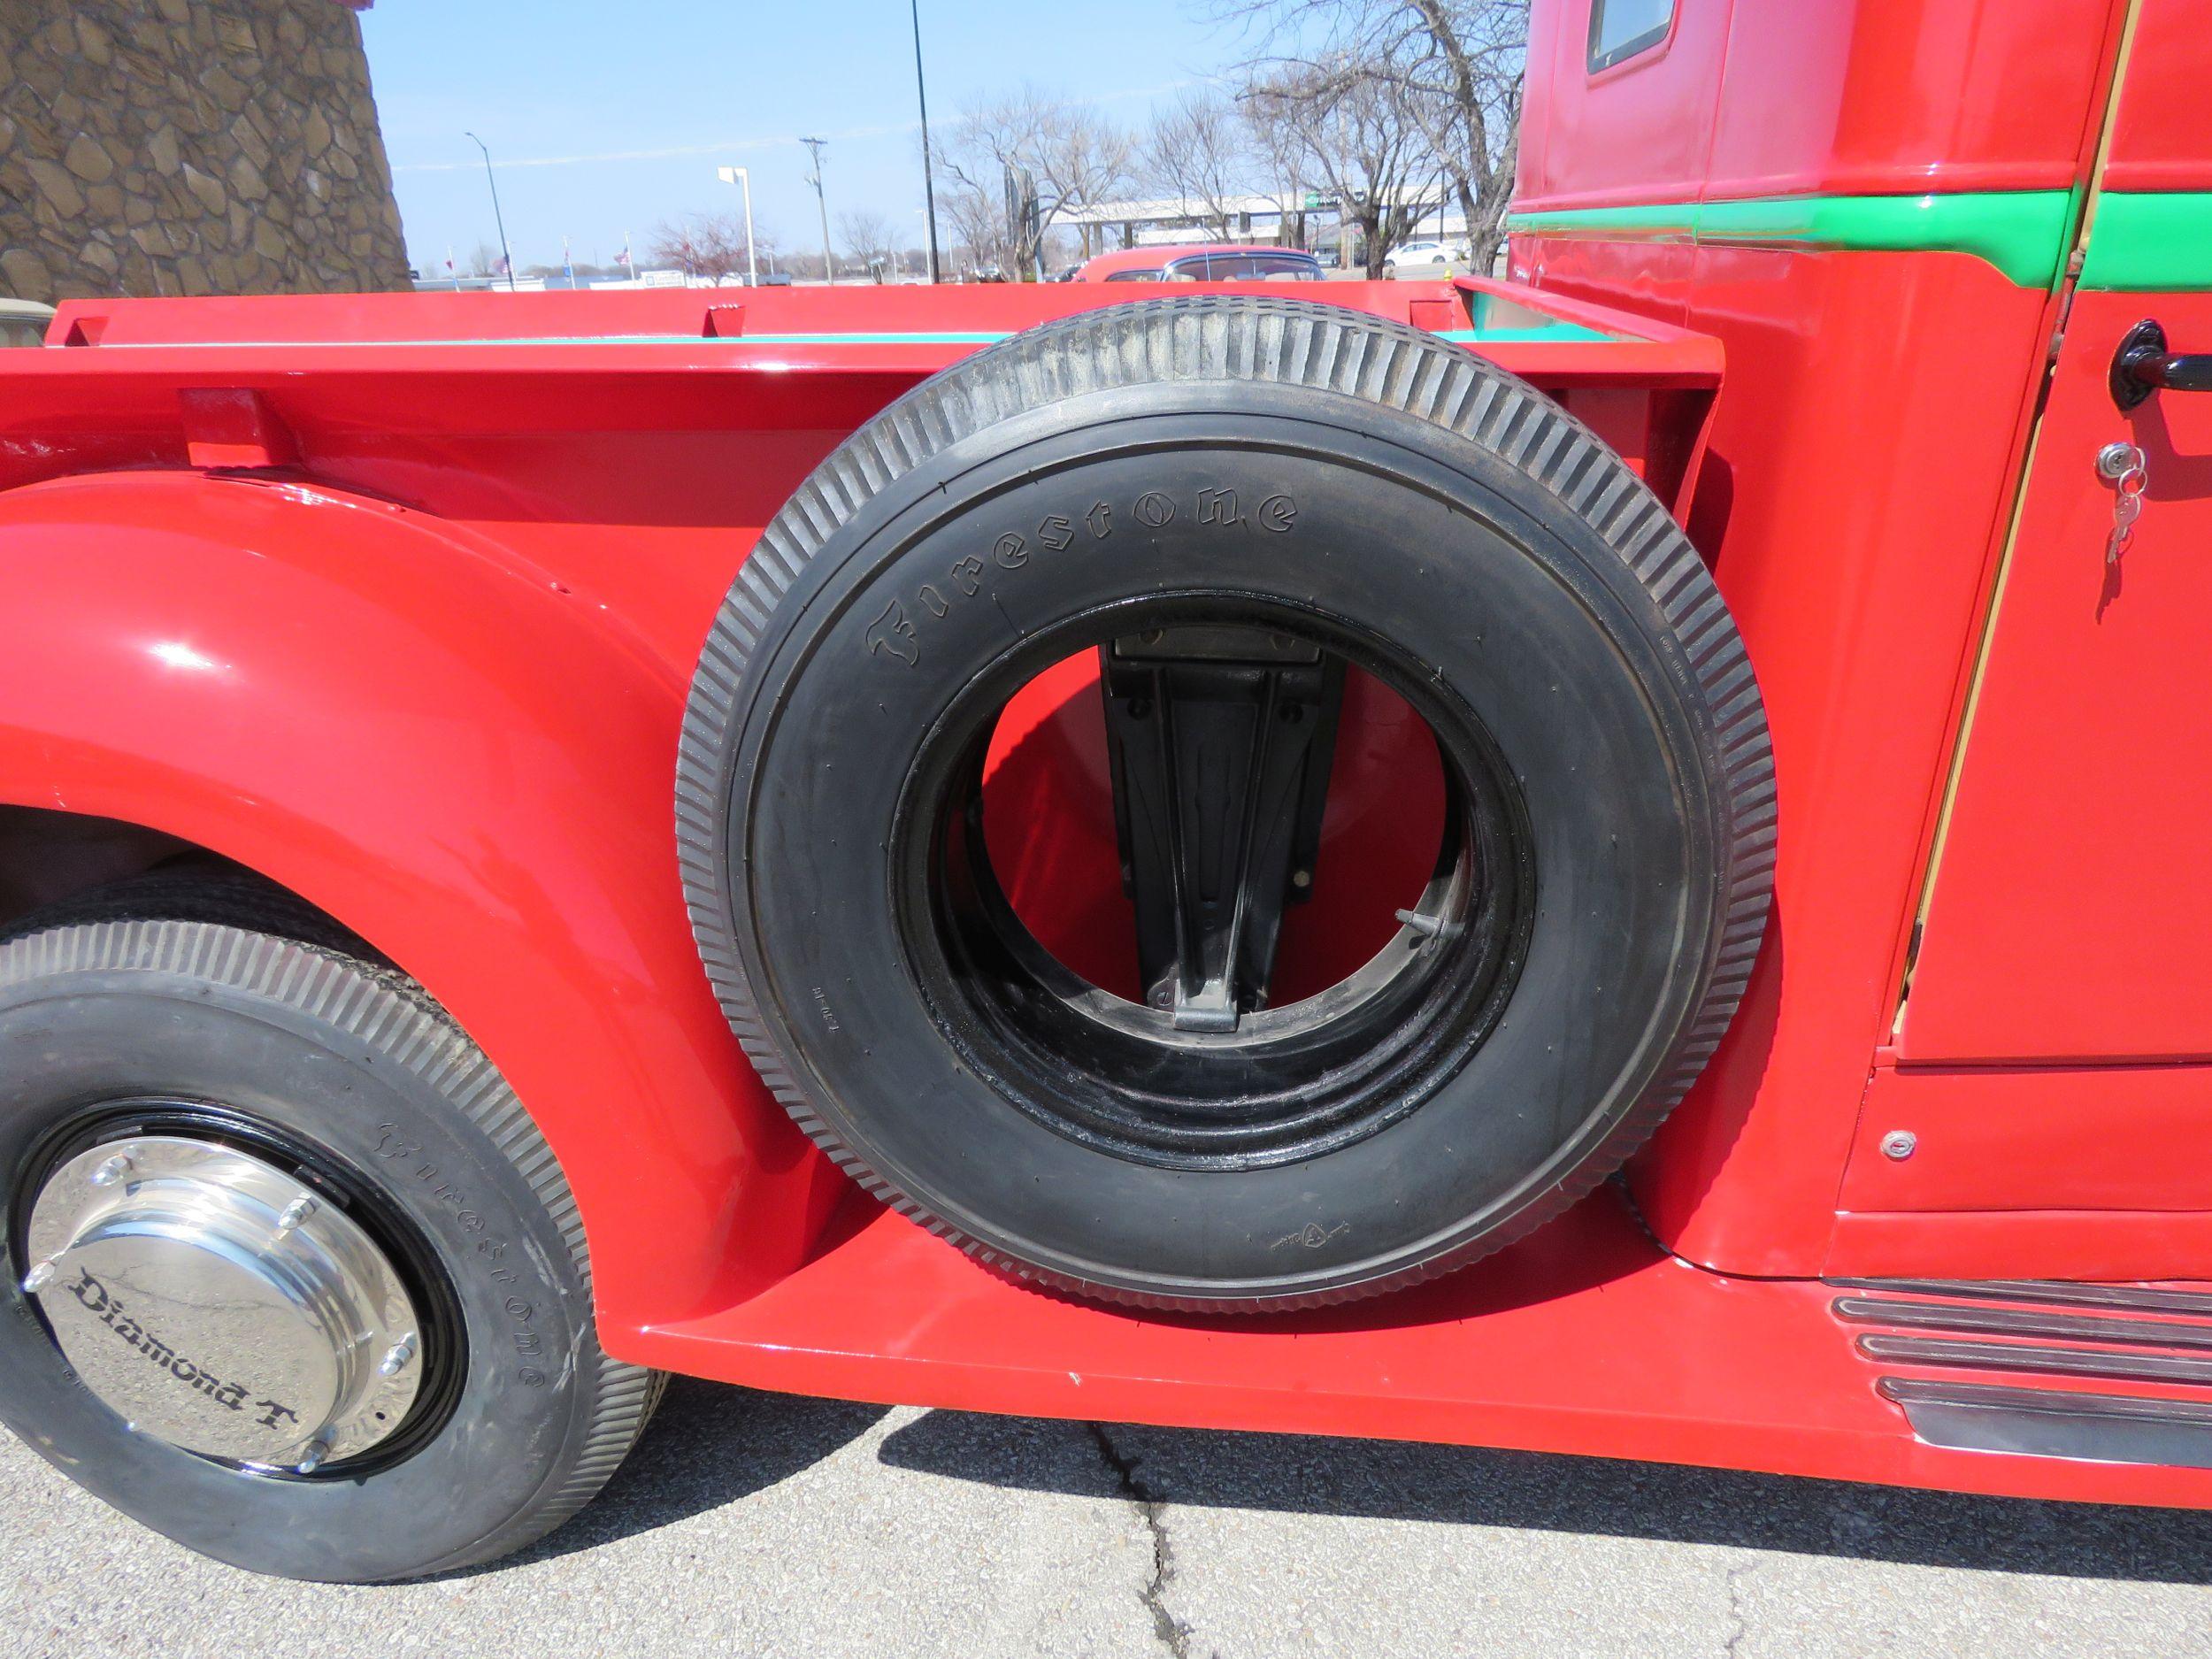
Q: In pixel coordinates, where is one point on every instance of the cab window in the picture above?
(1621, 28)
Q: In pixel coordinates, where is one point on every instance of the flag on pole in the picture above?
(568, 268)
(449, 261)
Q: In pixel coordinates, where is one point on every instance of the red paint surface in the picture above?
(2158, 140)
(2069, 918)
(1582, 1339)
(1877, 97)
(2100, 1138)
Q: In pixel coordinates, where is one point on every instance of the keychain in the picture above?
(2122, 464)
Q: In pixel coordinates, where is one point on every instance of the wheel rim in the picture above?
(230, 1292)
(1288, 1082)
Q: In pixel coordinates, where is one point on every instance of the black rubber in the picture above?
(211, 988)
(1416, 510)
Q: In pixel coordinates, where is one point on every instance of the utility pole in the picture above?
(814, 146)
(504, 254)
(929, 181)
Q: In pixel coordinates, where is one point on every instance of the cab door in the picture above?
(2070, 916)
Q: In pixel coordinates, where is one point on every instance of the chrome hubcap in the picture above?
(220, 1303)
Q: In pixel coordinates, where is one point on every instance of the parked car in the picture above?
(1203, 262)
(23, 322)
(1006, 849)
(1426, 258)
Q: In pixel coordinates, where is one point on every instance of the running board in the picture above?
(2159, 1339)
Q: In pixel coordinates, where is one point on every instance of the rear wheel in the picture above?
(1252, 516)
(293, 1278)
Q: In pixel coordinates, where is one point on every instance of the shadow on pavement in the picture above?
(707, 1445)
(712, 1445)
(1380, 1480)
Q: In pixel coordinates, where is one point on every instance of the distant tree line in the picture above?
(1380, 107)
(1387, 109)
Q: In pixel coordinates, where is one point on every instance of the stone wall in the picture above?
(190, 147)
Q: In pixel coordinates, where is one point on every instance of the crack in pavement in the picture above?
(1174, 1635)
(1735, 1608)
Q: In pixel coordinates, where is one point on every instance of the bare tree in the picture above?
(1355, 133)
(868, 241)
(1279, 159)
(1074, 156)
(1200, 151)
(1459, 63)
(484, 260)
(708, 245)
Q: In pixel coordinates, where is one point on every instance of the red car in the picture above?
(1604, 862)
(1201, 262)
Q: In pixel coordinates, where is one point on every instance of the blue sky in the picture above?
(622, 113)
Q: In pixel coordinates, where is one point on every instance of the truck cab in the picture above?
(1927, 235)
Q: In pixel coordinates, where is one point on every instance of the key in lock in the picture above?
(2124, 464)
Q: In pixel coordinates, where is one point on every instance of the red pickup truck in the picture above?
(1607, 862)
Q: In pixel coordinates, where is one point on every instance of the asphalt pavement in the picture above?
(758, 1523)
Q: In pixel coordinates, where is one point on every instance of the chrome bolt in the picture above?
(311, 1459)
(112, 1171)
(394, 1360)
(1301, 879)
(38, 1278)
(1898, 1144)
(294, 1212)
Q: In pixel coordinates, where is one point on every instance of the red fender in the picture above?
(459, 758)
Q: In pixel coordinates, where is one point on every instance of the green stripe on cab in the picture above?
(2022, 233)
(2143, 241)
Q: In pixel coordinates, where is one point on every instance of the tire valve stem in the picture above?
(294, 1212)
(395, 1358)
(38, 1278)
(112, 1172)
(311, 1459)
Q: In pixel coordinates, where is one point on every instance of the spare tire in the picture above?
(1354, 492)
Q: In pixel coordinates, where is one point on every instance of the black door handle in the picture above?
(2142, 366)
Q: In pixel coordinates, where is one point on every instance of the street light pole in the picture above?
(738, 175)
(504, 253)
(921, 97)
(815, 147)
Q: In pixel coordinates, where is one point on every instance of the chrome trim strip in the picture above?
(2045, 1423)
(2069, 1327)
(2060, 1361)
(2061, 1293)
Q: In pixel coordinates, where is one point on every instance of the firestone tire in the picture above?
(1252, 460)
(232, 1003)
